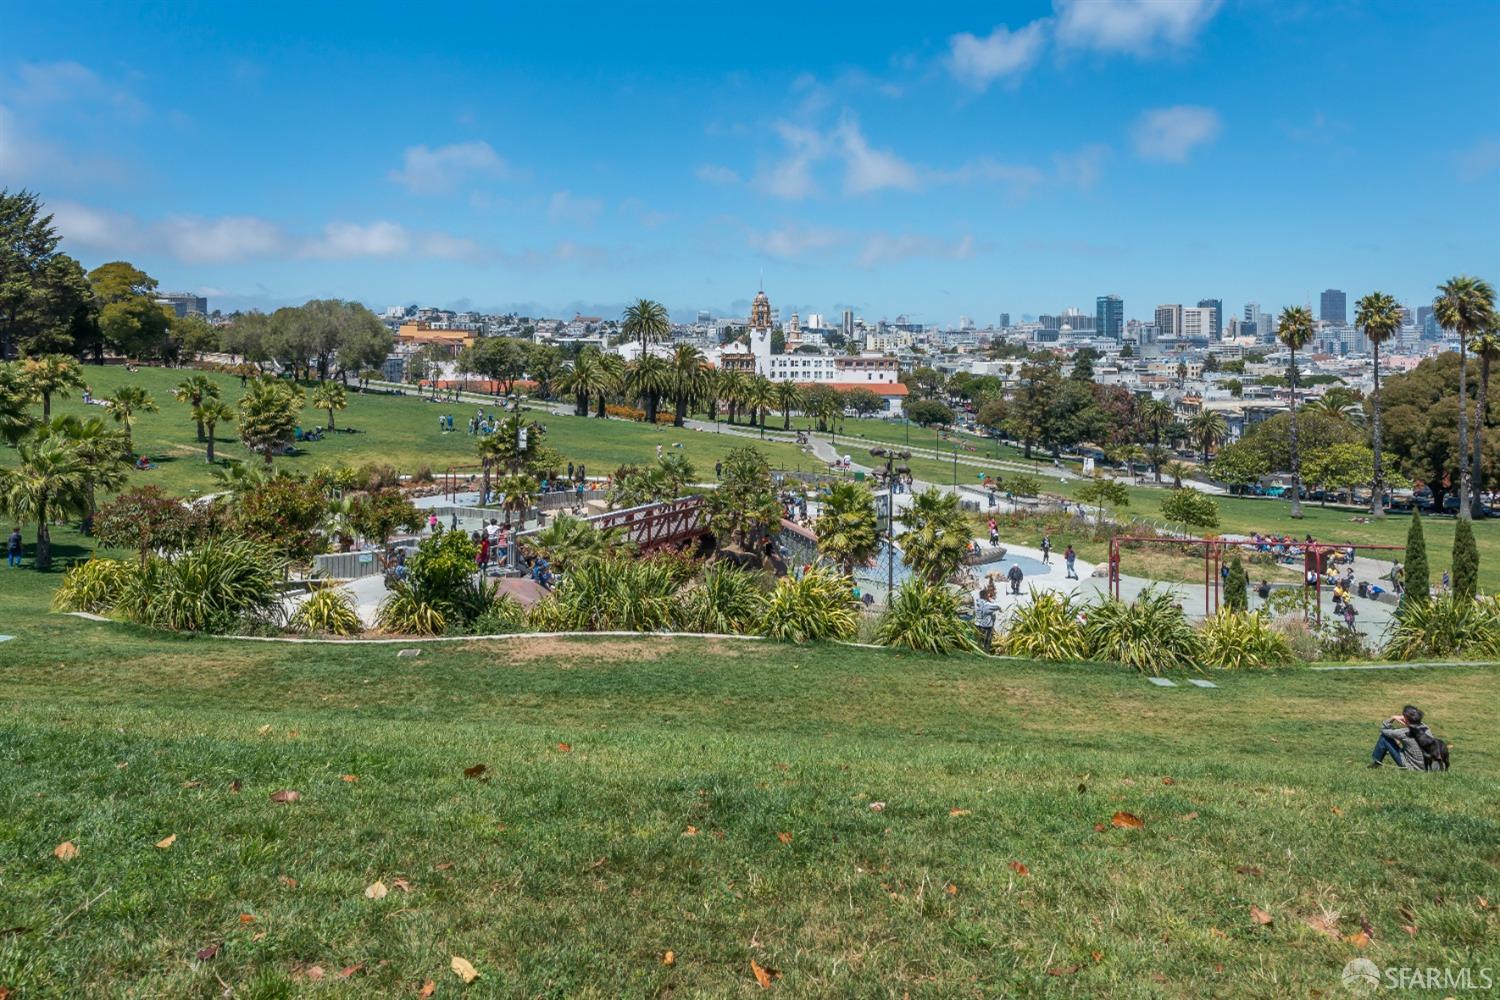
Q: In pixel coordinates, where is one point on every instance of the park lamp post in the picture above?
(891, 456)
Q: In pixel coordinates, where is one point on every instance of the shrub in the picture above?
(725, 599)
(1192, 508)
(818, 606)
(604, 595)
(1444, 626)
(504, 616)
(1418, 578)
(405, 613)
(328, 611)
(1235, 596)
(1022, 485)
(625, 412)
(377, 476)
(1465, 561)
(94, 586)
(440, 574)
(213, 588)
(925, 617)
(664, 418)
(1236, 640)
(1151, 633)
(546, 616)
(423, 474)
(1045, 627)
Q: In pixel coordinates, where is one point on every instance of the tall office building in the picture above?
(1334, 307)
(1427, 327)
(1004, 320)
(1196, 321)
(1217, 305)
(184, 303)
(848, 325)
(1169, 321)
(1109, 317)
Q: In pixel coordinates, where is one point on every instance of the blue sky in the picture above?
(934, 161)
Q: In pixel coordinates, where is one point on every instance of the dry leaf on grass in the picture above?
(428, 988)
(1063, 970)
(1097, 956)
(1411, 930)
(1325, 924)
(235, 786)
(1359, 939)
(1127, 821)
(316, 973)
(951, 889)
(349, 777)
(1215, 932)
(208, 952)
(1248, 870)
(192, 784)
(463, 970)
(475, 771)
(1168, 781)
(960, 812)
(763, 974)
(166, 841)
(376, 890)
(402, 884)
(565, 748)
(247, 918)
(785, 838)
(65, 851)
(1336, 810)
(1260, 916)
(285, 795)
(876, 807)
(691, 831)
(443, 866)
(263, 730)
(350, 970)
(669, 959)
(1019, 868)
(287, 881)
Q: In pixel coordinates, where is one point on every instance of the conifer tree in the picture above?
(1235, 598)
(1418, 579)
(1465, 562)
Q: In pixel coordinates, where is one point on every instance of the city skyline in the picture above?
(935, 165)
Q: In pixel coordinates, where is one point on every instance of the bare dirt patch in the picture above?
(592, 651)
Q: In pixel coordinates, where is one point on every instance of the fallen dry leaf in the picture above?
(960, 812)
(443, 866)
(376, 890)
(876, 807)
(669, 959)
(475, 771)
(1127, 821)
(285, 795)
(951, 889)
(1324, 924)
(349, 777)
(463, 970)
(1019, 868)
(428, 988)
(1097, 956)
(287, 881)
(316, 973)
(247, 918)
(691, 831)
(1215, 932)
(785, 838)
(1336, 810)
(258, 936)
(1188, 817)
(204, 954)
(263, 730)
(1098, 827)
(234, 786)
(402, 884)
(350, 970)
(763, 974)
(1359, 939)
(1410, 930)
(1484, 904)
(192, 784)
(565, 748)
(1063, 970)
(1248, 870)
(1260, 916)
(1168, 781)
(166, 841)
(65, 851)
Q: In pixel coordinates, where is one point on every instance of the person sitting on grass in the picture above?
(1398, 741)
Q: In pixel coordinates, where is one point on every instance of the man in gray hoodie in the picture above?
(1398, 740)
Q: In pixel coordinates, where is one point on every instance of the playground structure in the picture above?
(1316, 558)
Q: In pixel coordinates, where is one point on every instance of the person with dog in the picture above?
(1409, 744)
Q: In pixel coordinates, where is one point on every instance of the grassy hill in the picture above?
(714, 799)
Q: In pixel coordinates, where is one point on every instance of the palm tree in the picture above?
(49, 480)
(193, 390)
(846, 528)
(515, 492)
(52, 375)
(129, 402)
(1178, 471)
(937, 535)
(788, 398)
(646, 321)
(687, 379)
(1379, 315)
(760, 396)
(210, 413)
(611, 378)
(328, 396)
(581, 380)
(713, 378)
(1487, 346)
(649, 378)
(732, 386)
(1466, 306)
(1156, 414)
(1339, 403)
(1295, 329)
(102, 451)
(1208, 430)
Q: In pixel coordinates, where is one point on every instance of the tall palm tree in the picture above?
(611, 378)
(52, 375)
(760, 396)
(646, 321)
(788, 398)
(328, 396)
(1338, 403)
(1466, 306)
(687, 380)
(129, 402)
(1379, 315)
(210, 413)
(1487, 346)
(103, 452)
(713, 378)
(732, 386)
(49, 480)
(937, 535)
(846, 528)
(648, 378)
(581, 380)
(1209, 429)
(1156, 415)
(1295, 329)
(193, 390)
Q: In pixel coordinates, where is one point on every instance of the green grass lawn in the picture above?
(398, 430)
(570, 866)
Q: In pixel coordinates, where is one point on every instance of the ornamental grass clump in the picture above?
(1238, 640)
(725, 599)
(94, 586)
(1444, 626)
(1151, 633)
(328, 611)
(818, 606)
(925, 617)
(1045, 627)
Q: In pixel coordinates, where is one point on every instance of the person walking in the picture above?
(994, 533)
(1015, 576)
(1046, 550)
(1069, 556)
(13, 549)
(984, 615)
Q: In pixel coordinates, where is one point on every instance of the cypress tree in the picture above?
(1235, 598)
(1465, 561)
(1418, 580)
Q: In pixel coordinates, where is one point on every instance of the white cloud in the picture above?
(213, 241)
(790, 177)
(794, 241)
(1139, 27)
(1170, 134)
(69, 81)
(1021, 178)
(437, 171)
(887, 248)
(1081, 169)
(869, 169)
(977, 62)
(342, 240)
(714, 173)
(93, 228)
(568, 208)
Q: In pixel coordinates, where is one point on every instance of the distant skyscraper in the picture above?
(1217, 305)
(1109, 317)
(1427, 327)
(848, 324)
(1004, 320)
(184, 303)
(1169, 321)
(1334, 307)
(1196, 321)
